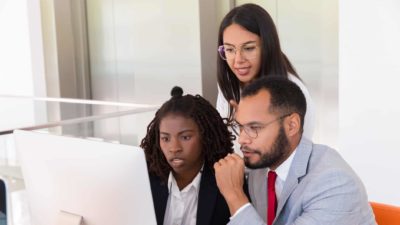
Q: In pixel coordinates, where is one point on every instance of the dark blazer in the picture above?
(211, 209)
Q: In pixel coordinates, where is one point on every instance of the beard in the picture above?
(276, 155)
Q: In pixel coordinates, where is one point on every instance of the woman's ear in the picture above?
(292, 124)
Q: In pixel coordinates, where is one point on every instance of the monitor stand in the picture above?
(66, 218)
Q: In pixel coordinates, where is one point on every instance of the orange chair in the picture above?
(386, 214)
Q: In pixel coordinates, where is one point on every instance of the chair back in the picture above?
(386, 214)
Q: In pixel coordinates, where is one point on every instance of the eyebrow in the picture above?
(181, 132)
(248, 42)
(250, 123)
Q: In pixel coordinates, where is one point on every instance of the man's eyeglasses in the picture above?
(247, 51)
(252, 129)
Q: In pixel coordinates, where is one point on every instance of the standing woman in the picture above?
(249, 48)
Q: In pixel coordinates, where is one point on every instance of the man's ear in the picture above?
(292, 124)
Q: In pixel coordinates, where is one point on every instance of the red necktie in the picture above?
(272, 203)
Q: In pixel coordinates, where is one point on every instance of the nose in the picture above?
(239, 57)
(175, 146)
(244, 138)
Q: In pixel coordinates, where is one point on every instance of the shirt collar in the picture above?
(173, 186)
(283, 170)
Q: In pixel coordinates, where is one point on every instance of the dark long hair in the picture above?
(216, 140)
(273, 61)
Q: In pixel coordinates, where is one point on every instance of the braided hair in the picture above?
(216, 139)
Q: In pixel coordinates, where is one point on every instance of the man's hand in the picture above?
(229, 173)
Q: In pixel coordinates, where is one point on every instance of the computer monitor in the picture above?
(70, 178)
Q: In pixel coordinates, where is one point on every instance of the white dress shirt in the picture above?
(282, 172)
(182, 205)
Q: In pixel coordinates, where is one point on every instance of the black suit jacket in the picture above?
(211, 209)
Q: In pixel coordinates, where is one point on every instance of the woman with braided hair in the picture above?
(183, 141)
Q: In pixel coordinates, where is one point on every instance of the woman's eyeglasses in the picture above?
(247, 51)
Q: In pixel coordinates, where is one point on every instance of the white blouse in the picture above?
(182, 204)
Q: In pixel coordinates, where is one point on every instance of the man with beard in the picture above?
(292, 180)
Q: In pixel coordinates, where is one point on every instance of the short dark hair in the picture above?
(273, 61)
(286, 96)
(216, 139)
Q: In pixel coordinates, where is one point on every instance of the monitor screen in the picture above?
(104, 183)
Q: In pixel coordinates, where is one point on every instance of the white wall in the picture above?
(21, 65)
(15, 60)
(21, 57)
(369, 108)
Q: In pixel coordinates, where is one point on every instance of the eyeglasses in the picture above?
(247, 51)
(252, 129)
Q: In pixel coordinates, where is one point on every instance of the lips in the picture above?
(248, 152)
(243, 71)
(176, 162)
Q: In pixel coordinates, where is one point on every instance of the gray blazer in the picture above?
(320, 189)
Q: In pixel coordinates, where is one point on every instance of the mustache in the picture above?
(247, 149)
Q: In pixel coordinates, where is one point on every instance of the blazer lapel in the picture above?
(207, 197)
(160, 197)
(297, 170)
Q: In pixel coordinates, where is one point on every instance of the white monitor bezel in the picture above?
(57, 170)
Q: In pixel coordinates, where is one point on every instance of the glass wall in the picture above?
(140, 49)
(308, 32)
